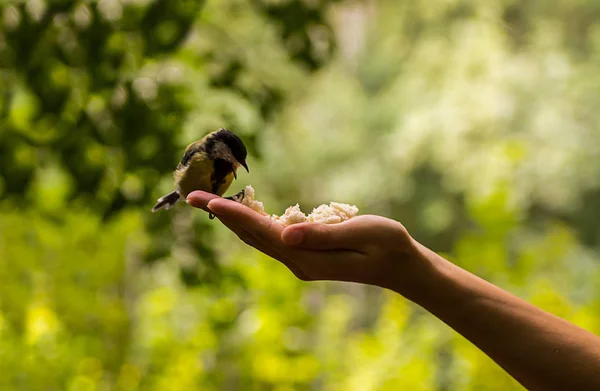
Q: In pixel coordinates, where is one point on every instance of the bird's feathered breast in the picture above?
(206, 165)
(199, 174)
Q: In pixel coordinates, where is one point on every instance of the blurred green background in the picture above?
(474, 123)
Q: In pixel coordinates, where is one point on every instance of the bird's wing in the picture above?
(193, 148)
(190, 151)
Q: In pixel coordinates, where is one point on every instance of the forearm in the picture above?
(540, 350)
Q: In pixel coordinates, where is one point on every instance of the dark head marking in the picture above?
(238, 149)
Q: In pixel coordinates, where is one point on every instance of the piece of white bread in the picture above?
(250, 202)
(333, 213)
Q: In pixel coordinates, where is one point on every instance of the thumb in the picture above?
(342, 236)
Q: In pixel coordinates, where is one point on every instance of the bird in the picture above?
(210, 165)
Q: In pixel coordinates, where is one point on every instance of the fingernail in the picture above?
(193, 202)
(293, 237)
(210, 207)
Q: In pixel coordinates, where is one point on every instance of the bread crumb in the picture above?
(292, 215)
(250, 202)
(333, 213)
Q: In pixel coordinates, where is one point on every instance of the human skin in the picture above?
(537, 348)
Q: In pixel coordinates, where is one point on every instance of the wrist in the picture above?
(411, 271)
(437, 284)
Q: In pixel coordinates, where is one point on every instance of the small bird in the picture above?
(210, 165)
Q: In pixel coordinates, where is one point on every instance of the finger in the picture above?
(251, 220)
(247, 237)
(200, 199)
(348, 235)
(264, 247)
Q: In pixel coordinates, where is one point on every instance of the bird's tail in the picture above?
(167, 201)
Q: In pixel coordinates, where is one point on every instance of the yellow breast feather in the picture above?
(198, 175)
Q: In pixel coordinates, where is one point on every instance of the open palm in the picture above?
(365, 249)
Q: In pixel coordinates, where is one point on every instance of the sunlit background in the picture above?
(474, 123)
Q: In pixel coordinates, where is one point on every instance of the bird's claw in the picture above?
(239, 197)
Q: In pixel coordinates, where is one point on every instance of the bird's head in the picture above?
(230, 147)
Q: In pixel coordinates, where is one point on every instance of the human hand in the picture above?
(365, 249)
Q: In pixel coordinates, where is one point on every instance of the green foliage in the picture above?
(473, 123)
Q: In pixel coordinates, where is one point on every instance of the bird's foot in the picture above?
(239, 197)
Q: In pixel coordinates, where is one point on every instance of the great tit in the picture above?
(210, 165)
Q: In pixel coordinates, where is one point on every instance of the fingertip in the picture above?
(218, 205)
(193, 202)
(199, 199)
(210, 205)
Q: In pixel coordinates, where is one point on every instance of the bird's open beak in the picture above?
(245, 166)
